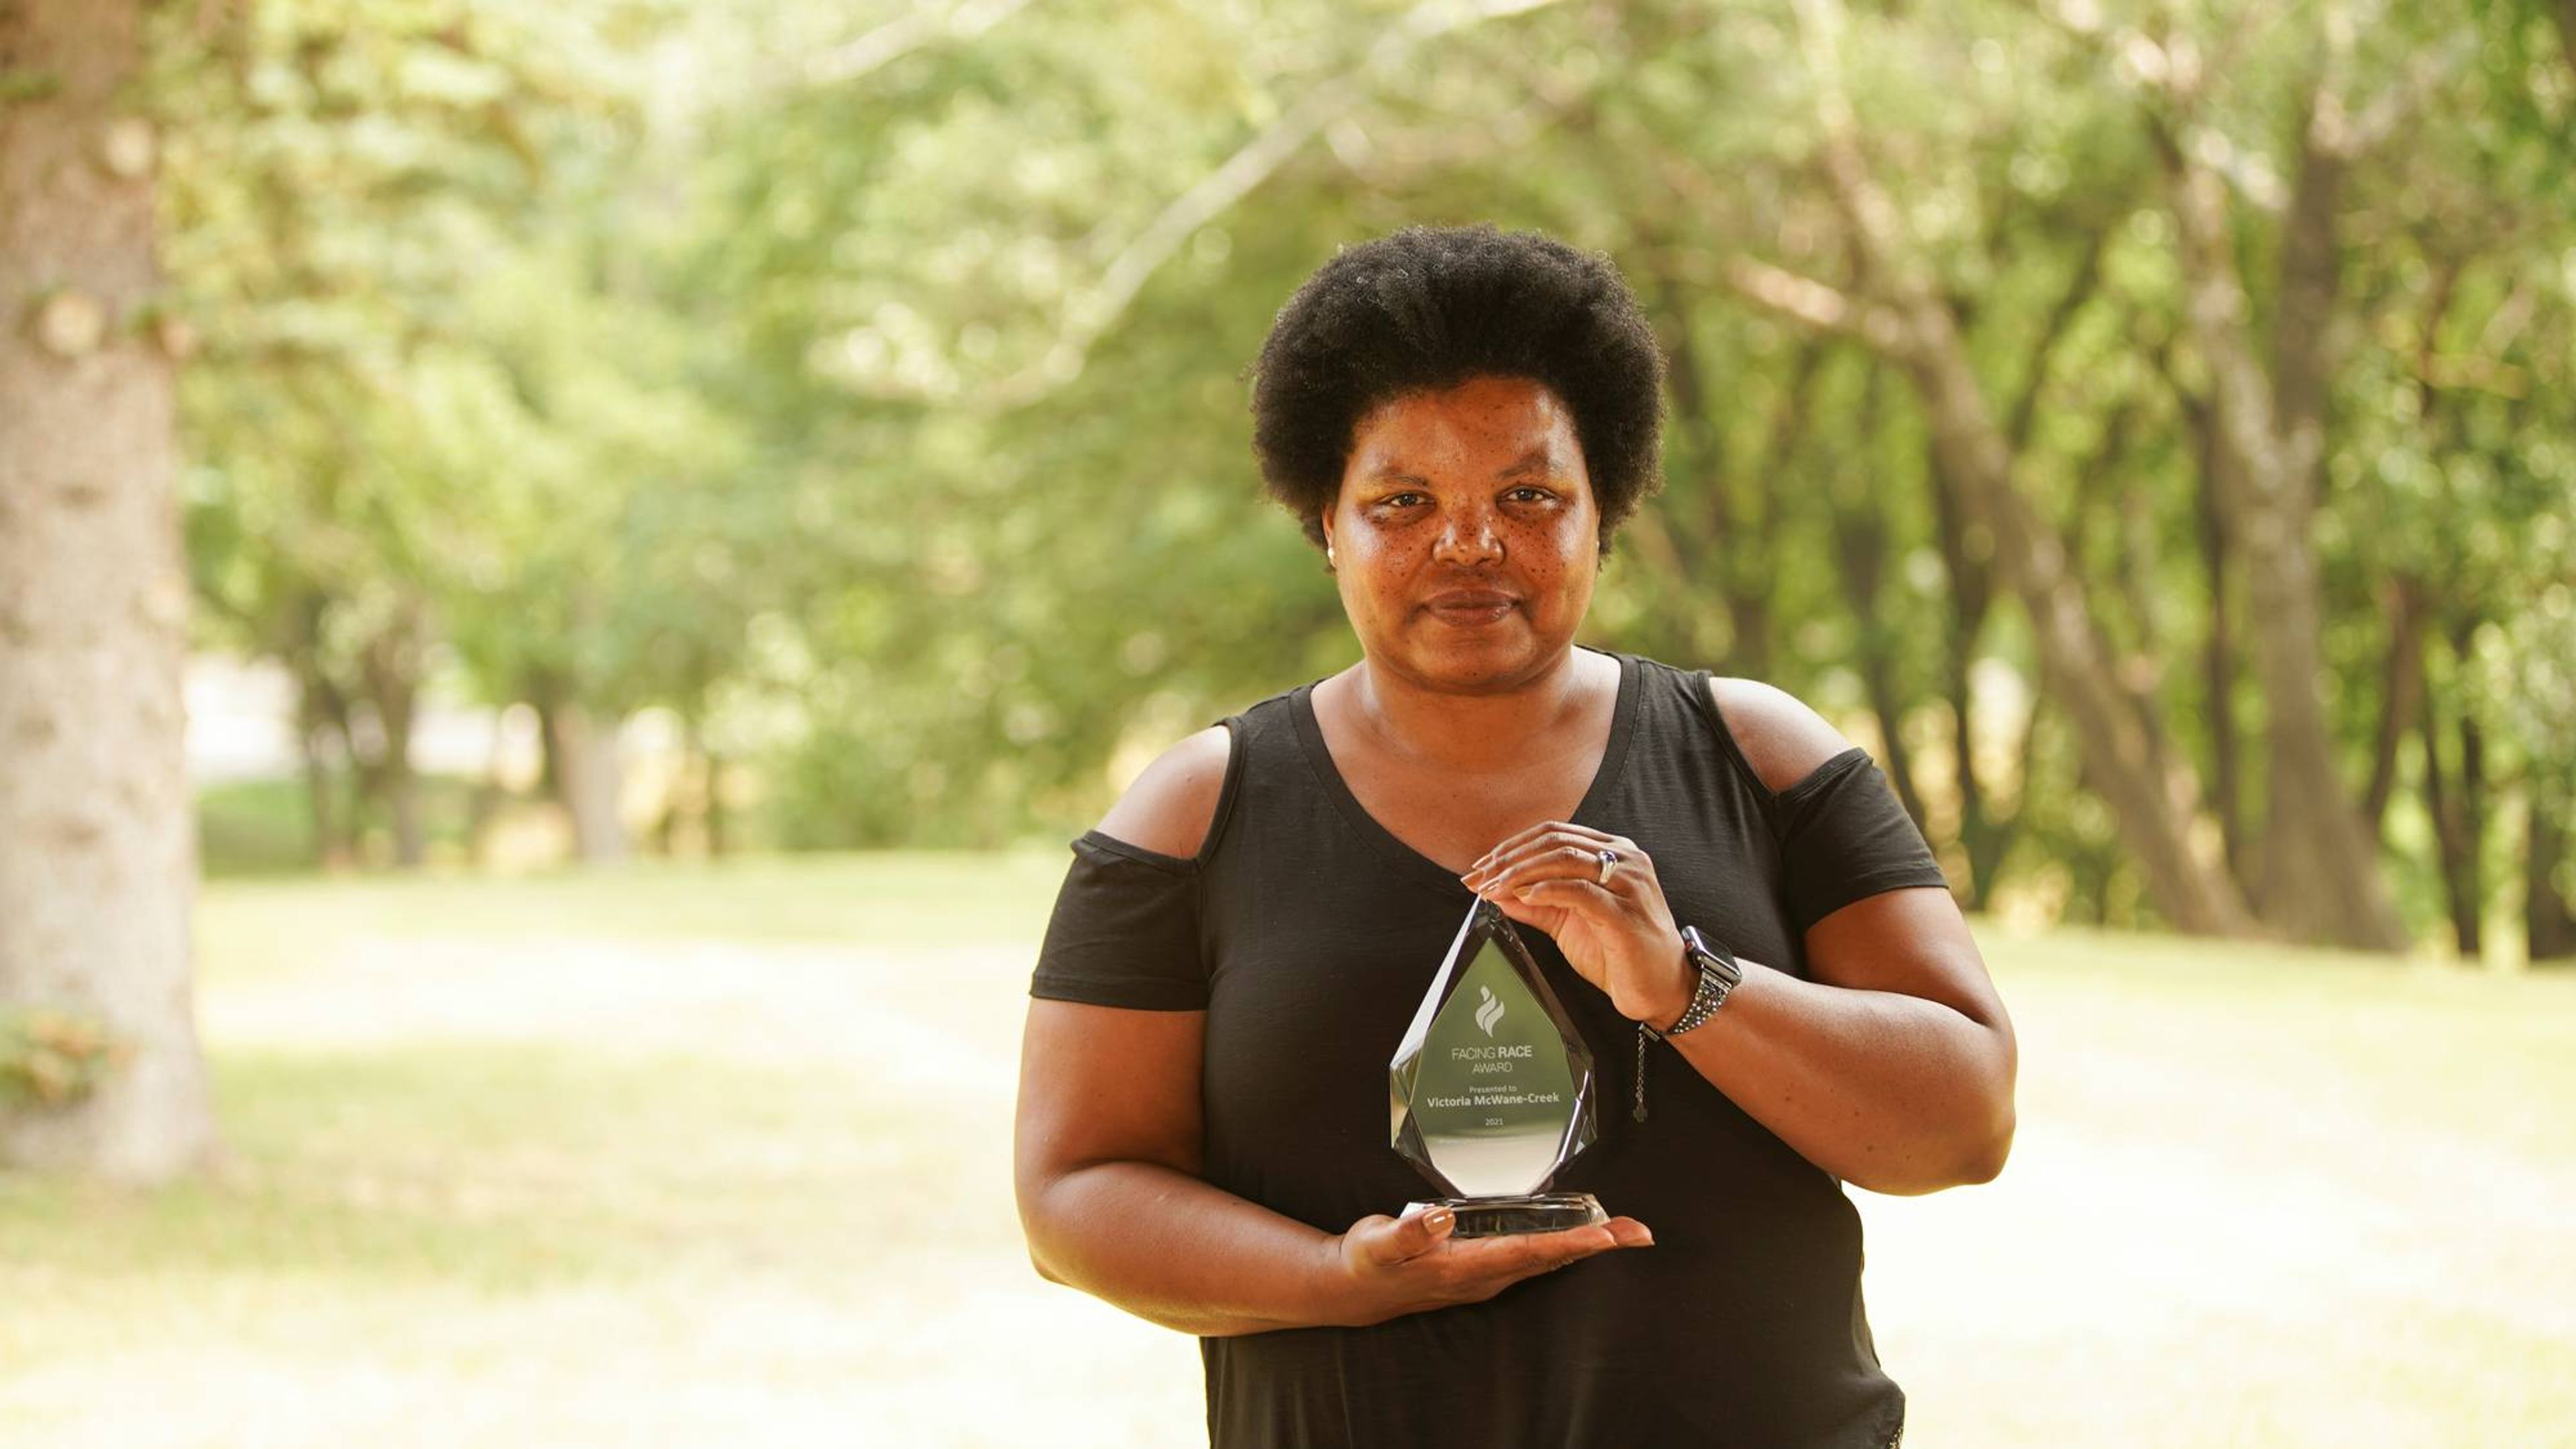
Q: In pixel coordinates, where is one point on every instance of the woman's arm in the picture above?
(1109, 1152)
(1111, 1201)
(1891, 1068)
(1108, 1161)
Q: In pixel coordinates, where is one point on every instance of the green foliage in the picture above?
(53, 1057)
(881, 408)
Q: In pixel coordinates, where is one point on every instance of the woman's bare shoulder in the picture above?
(1170, 806)
(1782, 738)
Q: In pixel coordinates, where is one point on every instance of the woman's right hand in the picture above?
(1388, 1267)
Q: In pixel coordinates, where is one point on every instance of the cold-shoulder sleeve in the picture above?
(1125, 931)
(1844, 836)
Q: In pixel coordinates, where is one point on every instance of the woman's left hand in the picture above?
(1618, 935)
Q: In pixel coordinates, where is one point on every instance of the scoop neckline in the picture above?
(1421, 868)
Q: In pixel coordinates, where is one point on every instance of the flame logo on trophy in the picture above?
(1488, 1011)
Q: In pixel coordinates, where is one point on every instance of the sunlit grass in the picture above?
(686, 1156)
(257, 928)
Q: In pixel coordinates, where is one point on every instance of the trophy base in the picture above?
(1538, 1212)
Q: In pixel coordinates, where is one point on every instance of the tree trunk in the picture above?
(2401, 683)
(1753, 563)
(2468, 912)
(2455, 847)
(717, 820)
(702, 767)
(342, 718)
(316, 726)
(1742, 543)
(97, 837)
(582, 760)
(2548, 915)
(2218, 645)
(1860, 543)
(321, 716)
(485, 803)
(2154, 807)
(392, 669)
(2319, 871)
(1971, 600)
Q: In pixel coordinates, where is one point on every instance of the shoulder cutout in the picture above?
(1782, 739)
(1169, 808)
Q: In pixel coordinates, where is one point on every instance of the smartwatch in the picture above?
(1718, 975)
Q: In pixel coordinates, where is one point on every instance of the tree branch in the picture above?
(1092, 312)
(916, 28)
(2088, 276)
(1818, 305)
(1872, 216)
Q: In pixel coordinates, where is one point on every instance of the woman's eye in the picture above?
(1400, 500)
(1530, 494)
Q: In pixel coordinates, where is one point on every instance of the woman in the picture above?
(1461, 418)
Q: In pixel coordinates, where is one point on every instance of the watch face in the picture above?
(1712, 956)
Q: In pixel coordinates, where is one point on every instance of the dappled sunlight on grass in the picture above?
(671, 1158)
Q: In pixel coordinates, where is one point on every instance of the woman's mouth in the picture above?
(1469, 607)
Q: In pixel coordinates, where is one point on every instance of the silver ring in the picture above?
(1609, 865)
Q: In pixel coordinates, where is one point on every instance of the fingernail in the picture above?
(1525, 892)
(1437, 1220)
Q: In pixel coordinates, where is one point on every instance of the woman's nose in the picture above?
(1469, 537)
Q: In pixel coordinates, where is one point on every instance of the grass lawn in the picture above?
(689, 1156)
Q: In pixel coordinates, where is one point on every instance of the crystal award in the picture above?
(1492, 1088)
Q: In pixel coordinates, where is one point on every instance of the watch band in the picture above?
(1718, 975)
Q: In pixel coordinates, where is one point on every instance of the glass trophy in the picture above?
(1492, 1088)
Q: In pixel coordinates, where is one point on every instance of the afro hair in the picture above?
(1428, 308)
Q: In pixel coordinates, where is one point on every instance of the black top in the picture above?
(1308, 934)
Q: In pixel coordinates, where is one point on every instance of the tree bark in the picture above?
(2400, 692)
(719, 830)
(321, 716)
(2218, 644)
(2468, 910)
(2319, 871)
(1985, 836)
(582, 763)
(1860, 544)
(484, 805)
(2548, 915)
(391, 665)
(98, 852)
(2455, 848)
(1981, 837)
(333, 841)
(1742, 541)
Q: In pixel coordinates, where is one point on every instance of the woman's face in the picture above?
(1465, 539)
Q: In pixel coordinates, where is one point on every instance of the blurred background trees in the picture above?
(2132, 420)
(2135, 421)
(2129, 419)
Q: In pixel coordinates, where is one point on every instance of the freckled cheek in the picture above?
(1542, 550)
